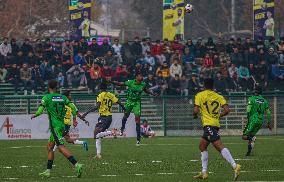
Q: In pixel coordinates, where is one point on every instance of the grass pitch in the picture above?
(166, 159)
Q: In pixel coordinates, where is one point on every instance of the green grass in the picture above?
(178, 156)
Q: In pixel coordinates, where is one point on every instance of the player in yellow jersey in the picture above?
(105, 100)
(68, 123)
(209, 103)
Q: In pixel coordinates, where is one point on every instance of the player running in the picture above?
(55, 104)
(67, 122)
(133, 101)
(256, 108)
(209, 104)
(105, 100)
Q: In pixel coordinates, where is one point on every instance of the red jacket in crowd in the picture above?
(156, 49)
(207, 62)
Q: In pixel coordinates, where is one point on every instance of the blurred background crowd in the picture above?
(169, 67)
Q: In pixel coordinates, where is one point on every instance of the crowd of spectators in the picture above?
(169, 67)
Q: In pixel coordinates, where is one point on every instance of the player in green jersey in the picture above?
(256, 108)
(55, 104)
(133, 101)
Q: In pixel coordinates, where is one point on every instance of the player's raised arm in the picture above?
(226, 110)
(40, 108)
(92, 110)
(147, 91)
(118, 83)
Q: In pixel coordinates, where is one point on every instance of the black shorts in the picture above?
(211, 133)
(104, 122)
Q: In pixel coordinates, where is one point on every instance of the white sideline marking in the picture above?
(156, 161)
(69, 176)
(271, 170)
(105, 163)
(131, 162)
(138, 174)
(166, 173)
(24, 166)
(6, 167)
(244, 159)
(109, 175)
(194, 160)
(11, 178)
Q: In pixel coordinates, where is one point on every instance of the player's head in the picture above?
(67, 93)
(258, 90)
(139, 77)
(145, 122)
(103, 86)
(52, 85)
(209, 83)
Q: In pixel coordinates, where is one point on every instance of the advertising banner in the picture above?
(22, 127)
(173, 19)
(80, 11)
(263, 19)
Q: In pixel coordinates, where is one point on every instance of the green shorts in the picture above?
(134, 107)
(56, 136)
(252, 128)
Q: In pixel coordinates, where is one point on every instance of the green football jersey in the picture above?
(134, 90)
(55, 106)
(258, 106)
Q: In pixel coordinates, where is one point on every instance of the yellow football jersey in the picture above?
(106, 99)
(68, 114)
(210, 104)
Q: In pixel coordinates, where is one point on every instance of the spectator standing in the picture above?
(210, 45)
(15, 47)
(189, 45)
(46, 71)
(26, 47)
(117, 50)
(126, 53)
(230, 46)
(236, 57)
(157, 52)
(136, 48)
(145, 47)
(104, 48)
(37, 78)
(26, 78)
(94, 48)
(200, 48)
(89, 58)
(13, 77)
(244, 77)
(79, 59)
(67, 49)
(5, 51)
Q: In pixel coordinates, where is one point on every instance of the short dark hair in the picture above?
(138, 73)
(66, 93)
(52, 84)
(208, 83)
(103, 86)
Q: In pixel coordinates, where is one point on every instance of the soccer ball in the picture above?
(188, 8)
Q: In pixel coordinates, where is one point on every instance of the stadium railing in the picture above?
(167, 115)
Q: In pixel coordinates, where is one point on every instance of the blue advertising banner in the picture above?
(80, 11)
(263, 19)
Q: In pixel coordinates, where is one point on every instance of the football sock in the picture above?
(78, 142)
(138, 132)
(227, 155)
(249, 147)
(49, 164)
(103, 134)
(54, 148)
(124, 119)
(204, 160)
(72, 160)
(99, 145)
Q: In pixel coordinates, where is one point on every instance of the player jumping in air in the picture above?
(133, 101)
(256, 108)
(209, 104)
(55, 104)
(105, 100)
(67, 122)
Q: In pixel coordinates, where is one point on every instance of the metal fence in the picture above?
(169, 116)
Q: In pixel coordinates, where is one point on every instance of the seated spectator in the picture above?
(220, 46)
(15, 47)
(110, 60)
(151, 83)
(157, 52)
(230, 46)
(210, 45)
(95, 75)
(175, 69)
(207, 61)
(244, 77)
(89, 58)
(188, 58)
(117, 50)
(67, 49)
(237, 58)
(175, 86)
(277, 72)
(77, 76)
(177, 46)
(164, 69)
(150, 60)
(79, 59)
(13, 77)
(146, 130)
(66, 61)
(200, 48)
(176, 56)
(26, 47)
(145, 47)
(46, 71)
(121, 73)
(189, 45)
(26, 78)
(251, 57)
(136, 48)
(220, 83)
(106, 72)
(280, 50)
(233, 79)
(3, 74)
(184, 85)
(104, 48)
(193, 84)
(162, 83)
(37, 78)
